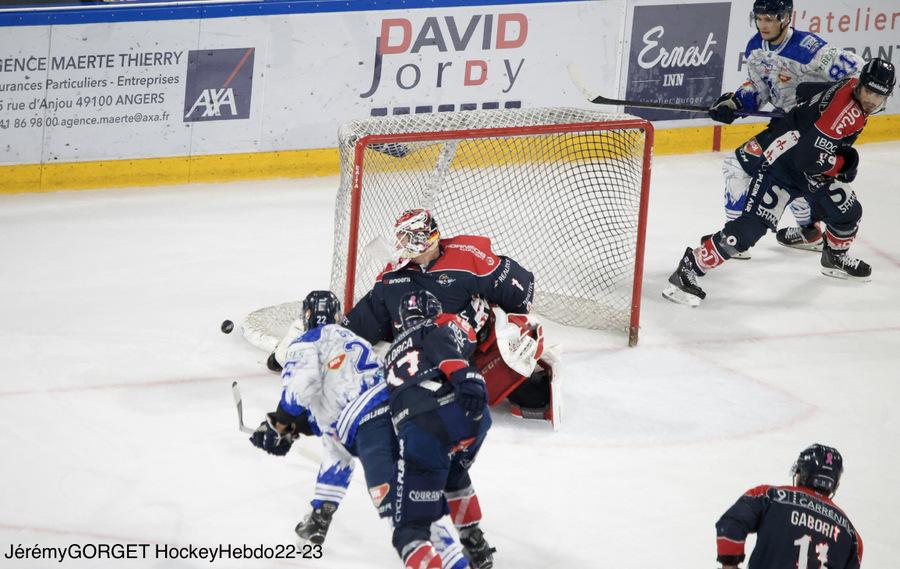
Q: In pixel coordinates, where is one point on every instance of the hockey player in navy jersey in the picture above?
(438, 404)
(468, 278)
(334, 389)
(807, 154)
(795, 526)
(778, 59)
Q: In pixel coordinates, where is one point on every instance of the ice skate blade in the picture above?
(839, 274)
(745, 256)
(814, 247)
(678, 296)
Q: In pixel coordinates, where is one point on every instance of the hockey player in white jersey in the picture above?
(333, 388)
(778, 59)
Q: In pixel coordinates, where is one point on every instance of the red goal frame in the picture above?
(631, 124)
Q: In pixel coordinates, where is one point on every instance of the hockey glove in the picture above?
(848, 170)
(470, 390)
(268, 438)
(314, 526)
(723, 110)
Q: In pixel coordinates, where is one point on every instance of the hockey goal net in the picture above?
(562, 191)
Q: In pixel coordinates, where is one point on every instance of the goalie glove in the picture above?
(520, 338)
(314, 526)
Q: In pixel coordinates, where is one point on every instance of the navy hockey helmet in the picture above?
(879, 76)
(819, 468)
(777, 7)
(417, 305)
(320, 307)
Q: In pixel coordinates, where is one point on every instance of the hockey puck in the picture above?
(227, 326)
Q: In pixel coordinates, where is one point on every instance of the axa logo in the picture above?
(211, 101)
(219, 84)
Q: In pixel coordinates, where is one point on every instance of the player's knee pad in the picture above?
(419, 487)
(740, 234)
(845, 222)
(465, 510)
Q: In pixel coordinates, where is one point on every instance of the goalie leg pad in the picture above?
(499, 379)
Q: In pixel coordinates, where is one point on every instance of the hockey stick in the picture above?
(596, 98)
(236, 392)
(239, 404)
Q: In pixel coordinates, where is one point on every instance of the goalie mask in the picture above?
(416, 306)
(320, 307)
(416, 232)
(819, 468)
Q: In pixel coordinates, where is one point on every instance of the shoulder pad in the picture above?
(841, 116)
(390, 268)
(758, 491)
(754, 44)
(312, 335)
(469, 253)
(445, 318)
(802, 47)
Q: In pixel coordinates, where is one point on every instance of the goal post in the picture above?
(562, 191)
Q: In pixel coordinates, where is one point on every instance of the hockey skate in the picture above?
(807, 238)
(315, 526)
(840, 265)
(683, 288)
(477, 550)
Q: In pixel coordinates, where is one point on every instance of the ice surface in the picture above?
(118, 423)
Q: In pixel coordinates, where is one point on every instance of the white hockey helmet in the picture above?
(416, 232)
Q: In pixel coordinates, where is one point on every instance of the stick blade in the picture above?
(236, 393)
(578, 80)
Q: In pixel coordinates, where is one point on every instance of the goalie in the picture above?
(492, 292)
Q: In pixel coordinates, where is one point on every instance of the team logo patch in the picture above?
(336, 361)
(378, 493)
(445, 280)
(753, 148)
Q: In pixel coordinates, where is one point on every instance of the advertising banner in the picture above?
(284, 82)
(870, 28)
(677, 55)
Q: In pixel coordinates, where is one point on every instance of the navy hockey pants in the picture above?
(436, 450)
(376, 446)
(835, 203)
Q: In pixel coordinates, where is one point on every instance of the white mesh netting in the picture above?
(564, 203)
